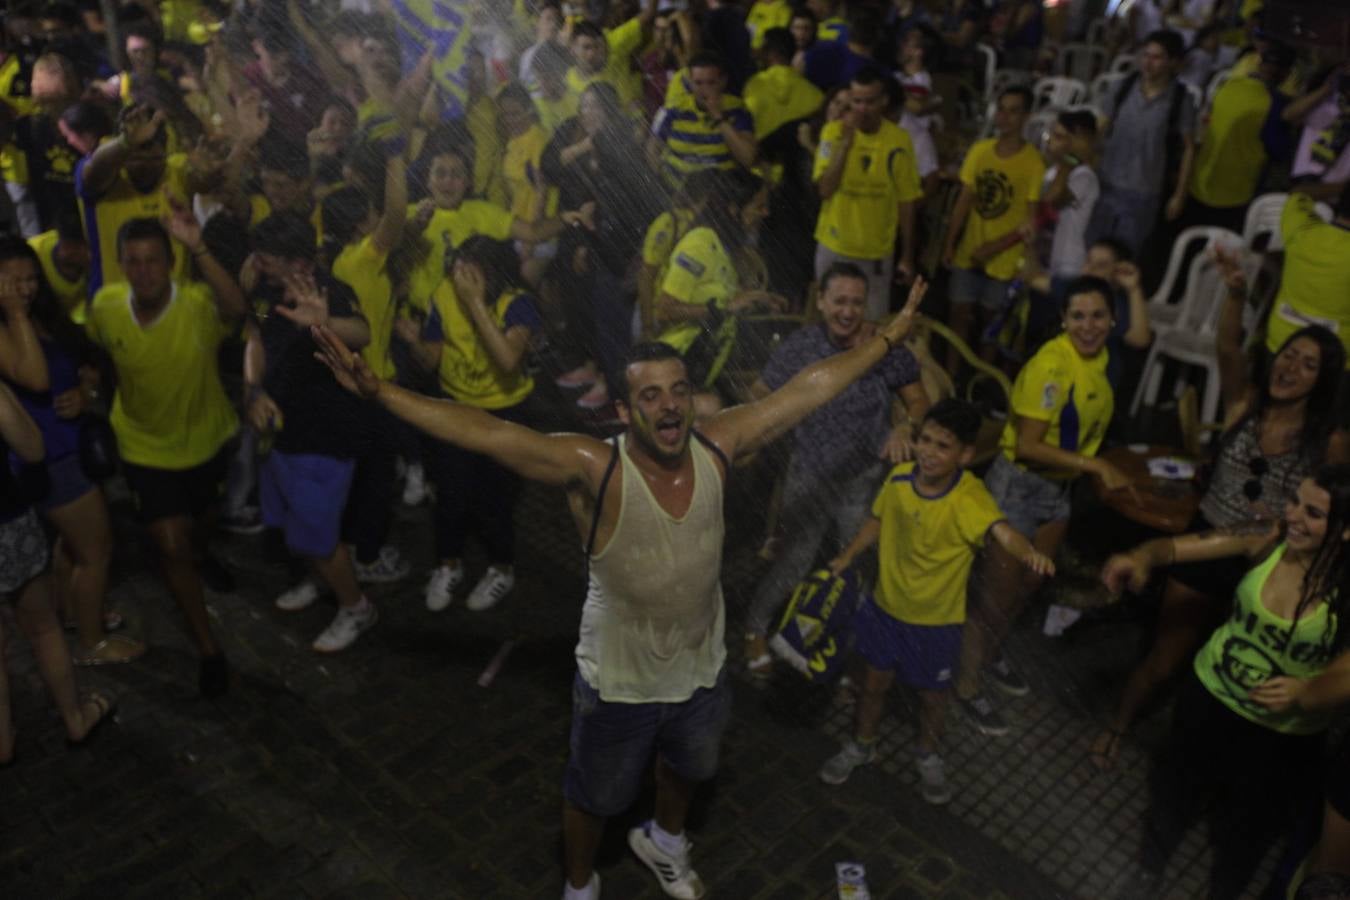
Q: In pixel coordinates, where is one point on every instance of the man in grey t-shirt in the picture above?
(1155, 111)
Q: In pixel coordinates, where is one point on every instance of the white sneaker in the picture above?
(933, 779)
(388, 566)
(672, 872)
(589, 892)
(415, 485)
(299, 597)
(346, 627)
(441, 586)
(851, 755)
(495, 584)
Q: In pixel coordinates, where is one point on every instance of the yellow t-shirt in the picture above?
(1070, 392)
(623, 41)
(170, 411)
(446, 230)
(766, 14)
(778, 95)
(662, 236)
(1315, 286)
(1231, 158)
(861, 218)
(552, 113)
(700, 272)
(520, 168)
(70, 294)
(1004, 190)
(361, 266)
(104, 215)
(927, 545)
(481, 120)
(466, 371)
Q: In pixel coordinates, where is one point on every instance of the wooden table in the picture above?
(1163, 504)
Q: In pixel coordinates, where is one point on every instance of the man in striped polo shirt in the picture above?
(701, 126)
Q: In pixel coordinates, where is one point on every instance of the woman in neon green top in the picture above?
(1248, 726)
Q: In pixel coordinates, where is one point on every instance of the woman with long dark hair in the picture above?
(43, 352)
(1279, 427)
(1249, 723)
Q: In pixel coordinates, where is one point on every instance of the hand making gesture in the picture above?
(347, 367)
(309, 304)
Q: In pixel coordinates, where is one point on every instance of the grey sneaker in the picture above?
(838, 767)
(495, 584)
(388, 566)
(933, 779)
(1006, 678)
(348, 625)
(985, 717)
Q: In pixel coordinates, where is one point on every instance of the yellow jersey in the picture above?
(466, 370)
(700, 272)
(1231, 158)
(170, 411)
(520, 171)
(862, 217)
(622, 41)
(1004, 190)
(766, 14)
(104, 214)
(481, 120)
(446, 230)
(779, 95)
(927, 545)
(1315, 286)
(1069, 391)
(552, 113)
(70, 294)
(361, 266)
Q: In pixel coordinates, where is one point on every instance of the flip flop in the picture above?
(135, 650)
(1104, 753)
(106, 709)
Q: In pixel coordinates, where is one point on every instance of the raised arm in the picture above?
(139, 125)
(1234, 387)
(1132, 570)
(564, 460)
(741, 430)
(18, 429)
(1140, 333)
(182, 225)
(395, 212)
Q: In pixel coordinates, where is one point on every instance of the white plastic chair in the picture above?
(1037, 129)
(1164, 307)
(1104, 88)
(1081, 61)
(1263, 219)
(1191, 339)
(1058, 91)
(1125, 63)
(989, 64)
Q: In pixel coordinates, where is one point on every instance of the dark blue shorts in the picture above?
(69, 483)
(304, 496)
(612, 743)
(924, 657)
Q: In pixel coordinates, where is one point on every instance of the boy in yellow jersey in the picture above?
(868, 183)
(608, 55)
(172, 419)
(931, 518)
(706, 128)
(1000, 186)
(64, 256)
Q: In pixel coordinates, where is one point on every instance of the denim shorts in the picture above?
(924, 657)
(23, 551)
(304, 495)
(973, 286)
(1028, 500)
(68, 482)
(611, 744)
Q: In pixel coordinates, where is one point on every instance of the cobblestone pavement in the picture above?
(386, 771)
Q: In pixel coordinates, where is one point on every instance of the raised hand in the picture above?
(1127, 275)
(140, 124)
(347, 367)
(310, 304)
(1230, 269)
(899, 327)
(182, 225)
(251, 118)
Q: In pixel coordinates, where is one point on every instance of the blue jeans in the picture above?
(1028, 500)
(1128, 216)
(611, 744)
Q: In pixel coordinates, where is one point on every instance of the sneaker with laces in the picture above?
(348, 625)
(933, 779)
(673, 873)
(441, 586)
(495, 584)
(244, 520)
(982, 713)
(388, 566)
(415, 485)
(1006, 678)
(298, 597)
(838, 767)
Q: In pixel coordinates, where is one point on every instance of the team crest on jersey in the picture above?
(1049, 395)
(993, 194)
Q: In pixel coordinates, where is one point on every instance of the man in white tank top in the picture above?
(650, 679)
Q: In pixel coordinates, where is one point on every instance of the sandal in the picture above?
(106, 708)
(1105, 749)
(113, 649)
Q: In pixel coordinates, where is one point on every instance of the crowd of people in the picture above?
(276, 269)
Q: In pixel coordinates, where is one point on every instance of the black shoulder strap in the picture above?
(1126, 85)
(1179, 93)
(716, 450)
(600, 497)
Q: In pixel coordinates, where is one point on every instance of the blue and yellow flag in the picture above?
(443, 27)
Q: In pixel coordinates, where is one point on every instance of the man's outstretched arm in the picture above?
(564, 459)
(742, 430)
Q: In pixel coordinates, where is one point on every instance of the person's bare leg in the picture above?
(37, 620)
(178, 565)
(871, 701)
(581, 839)
(672, 798)
(932, 710)
(337, 572)
(1332, 853)
(86, 539)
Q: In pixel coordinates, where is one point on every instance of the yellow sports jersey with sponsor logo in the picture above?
(466, 370)
(700, 272)
(170, 411)
(446, 230)
(861, 218)
(927, 545)
(1004, 190)
(1315, 285)
(1232, 157)
(1071, 392)
(105, 214)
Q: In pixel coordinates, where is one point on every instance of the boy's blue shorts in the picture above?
(924, 657)
(304, 495)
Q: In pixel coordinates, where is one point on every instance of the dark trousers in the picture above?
(474, 494)
(1254, 781)
(370, 505)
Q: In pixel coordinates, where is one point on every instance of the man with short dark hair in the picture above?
(607, 55)
(702, 126)
(650, 662)
(172, 419)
